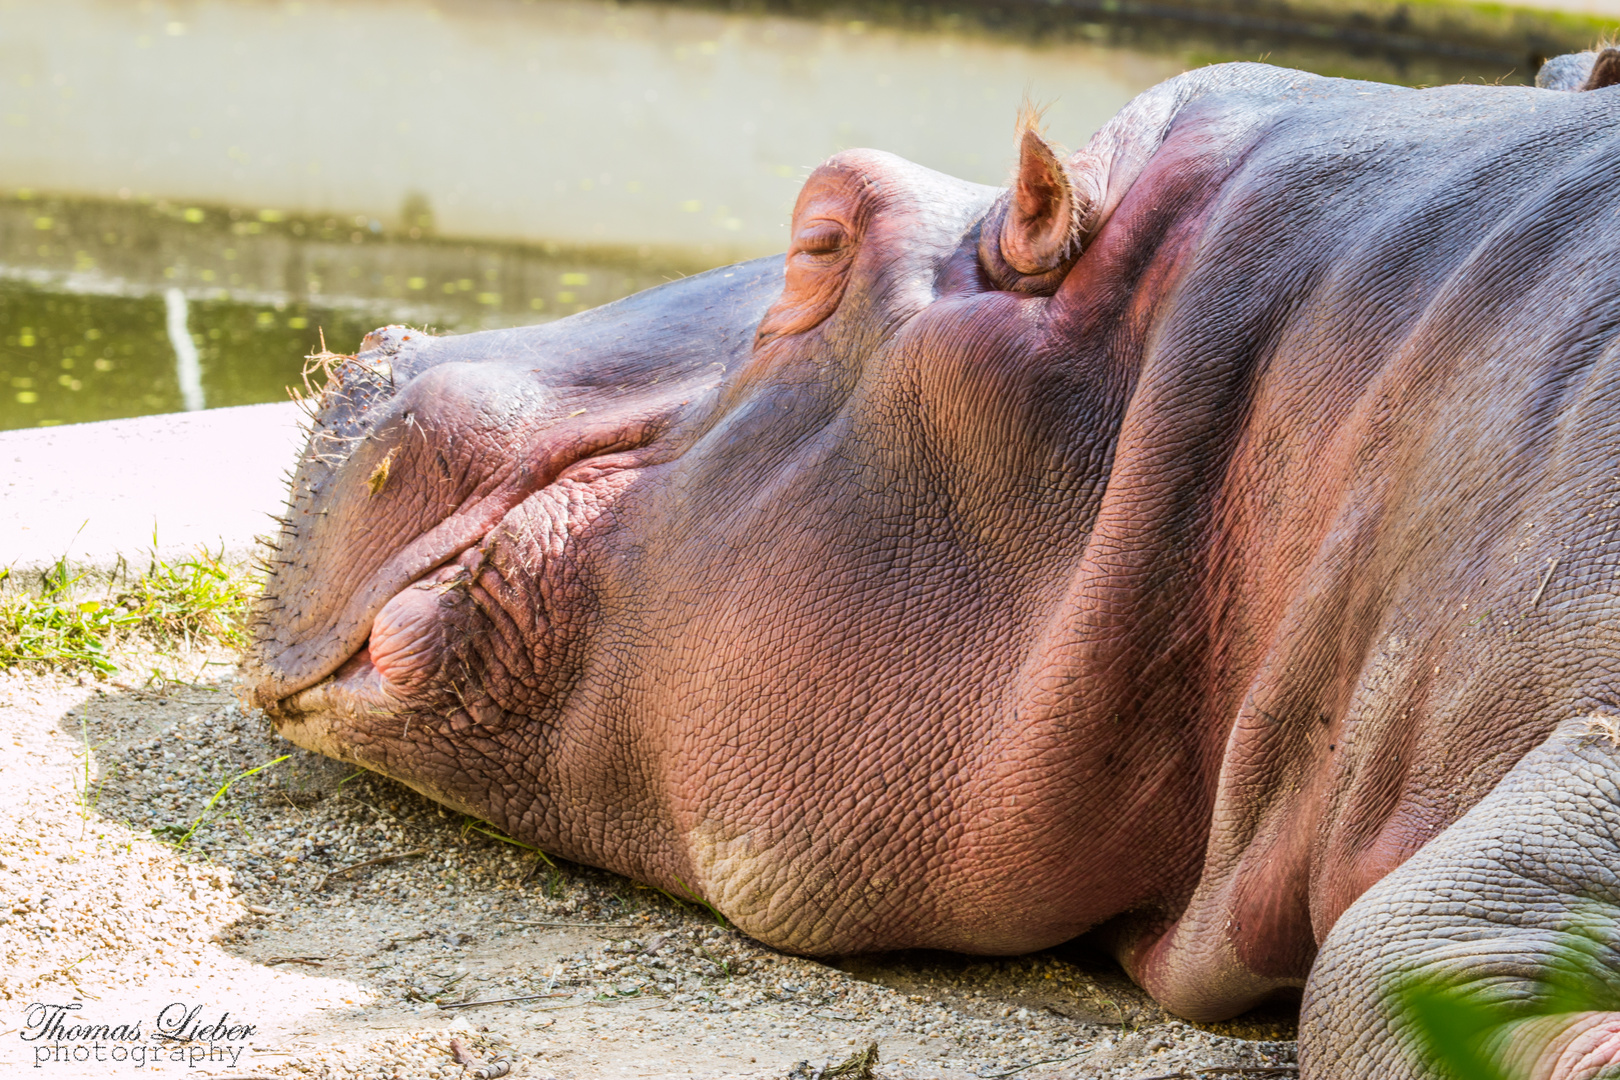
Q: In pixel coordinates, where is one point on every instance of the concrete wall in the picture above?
(122, 489)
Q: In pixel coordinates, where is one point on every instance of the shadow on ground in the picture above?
(424, 926)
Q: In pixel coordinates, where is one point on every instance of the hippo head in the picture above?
(667, 584)
(707, 585)
(794, 585)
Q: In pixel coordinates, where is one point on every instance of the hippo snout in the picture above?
(448, 476)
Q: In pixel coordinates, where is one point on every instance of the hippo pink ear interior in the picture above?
(1605, 70)
(1041, 229)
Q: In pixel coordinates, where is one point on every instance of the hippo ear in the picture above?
(1041, 228)
(1605, 70)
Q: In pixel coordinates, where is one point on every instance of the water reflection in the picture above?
(227, 179)
(67, 358)
(187, 364)
(565, 121)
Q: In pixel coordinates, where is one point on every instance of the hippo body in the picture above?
(1169, 548)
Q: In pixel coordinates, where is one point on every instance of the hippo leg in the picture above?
(1514, 911)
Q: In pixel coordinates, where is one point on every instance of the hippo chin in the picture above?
(1210, 542)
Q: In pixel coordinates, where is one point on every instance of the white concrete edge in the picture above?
(109, 496)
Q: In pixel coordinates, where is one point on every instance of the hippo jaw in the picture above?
(404, 630)
(402, 487)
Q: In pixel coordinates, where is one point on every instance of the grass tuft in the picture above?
(54, 631)
(187, 602)
(199, 599)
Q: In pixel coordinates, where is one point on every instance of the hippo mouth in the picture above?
(400, 658)
(426, 451)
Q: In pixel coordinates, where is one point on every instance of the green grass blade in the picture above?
(220, 794)
(1452, 1029)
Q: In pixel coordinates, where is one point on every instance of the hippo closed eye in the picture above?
(1205, 543)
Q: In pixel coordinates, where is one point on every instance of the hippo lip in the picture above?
(356, 682)
(399, 657)
(567, 452)
(359, 683)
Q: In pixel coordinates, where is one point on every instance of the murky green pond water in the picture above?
(126, 307)
(192, 194)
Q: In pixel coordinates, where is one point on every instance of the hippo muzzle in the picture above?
(427, 454)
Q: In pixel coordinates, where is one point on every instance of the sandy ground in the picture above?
(248, 948)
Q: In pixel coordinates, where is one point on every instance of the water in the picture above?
(192, 194)
(99, 299)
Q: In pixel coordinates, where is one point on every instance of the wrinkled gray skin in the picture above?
(1518, 899)
(1517, 904)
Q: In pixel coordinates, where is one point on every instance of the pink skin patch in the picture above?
(1563, 1046)
(407, 641)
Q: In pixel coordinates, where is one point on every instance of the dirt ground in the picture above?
(318, 923)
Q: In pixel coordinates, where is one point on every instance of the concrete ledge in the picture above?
(191, 479)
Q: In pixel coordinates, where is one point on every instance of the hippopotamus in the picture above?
(1208, 543)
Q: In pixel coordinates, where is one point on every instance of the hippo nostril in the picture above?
(406, 645)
